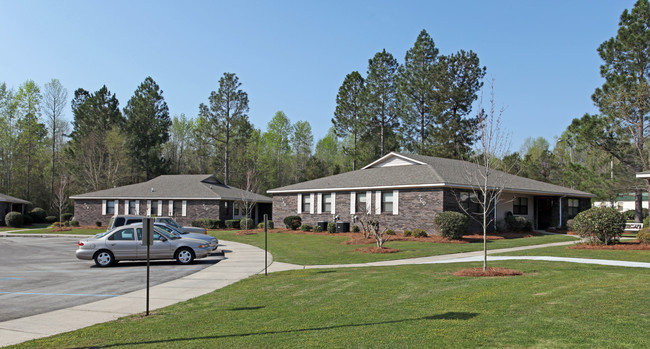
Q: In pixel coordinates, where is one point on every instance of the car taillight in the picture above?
(80, 243)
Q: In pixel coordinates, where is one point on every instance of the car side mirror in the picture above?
(163, 239)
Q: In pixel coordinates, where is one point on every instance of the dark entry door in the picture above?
(544, 208)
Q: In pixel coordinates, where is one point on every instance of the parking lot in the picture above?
(39, 275)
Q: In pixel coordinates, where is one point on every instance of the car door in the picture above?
(161, 248)
(123, 244)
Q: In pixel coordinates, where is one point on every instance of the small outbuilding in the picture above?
(11, 204)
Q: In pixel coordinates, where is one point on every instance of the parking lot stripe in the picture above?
(61, 294)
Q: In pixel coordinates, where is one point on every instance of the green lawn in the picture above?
(33, 226)
(74, 231)
(554, 305)
(329, 249)
(564, 251)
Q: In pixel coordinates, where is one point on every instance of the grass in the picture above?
(329, 249)
(74, 231)
(33, 226)
(564, 251)
(552, 305)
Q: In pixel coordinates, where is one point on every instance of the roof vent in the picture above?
(152, 189)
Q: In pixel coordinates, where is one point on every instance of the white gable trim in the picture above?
(393, 159)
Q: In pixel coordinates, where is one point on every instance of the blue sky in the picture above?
(293, 55)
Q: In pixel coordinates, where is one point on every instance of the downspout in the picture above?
(560, 223)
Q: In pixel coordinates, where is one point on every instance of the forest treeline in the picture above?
(423, 104)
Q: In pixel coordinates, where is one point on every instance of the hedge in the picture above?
(232, 223)
(38, 214)
(14, 219)
(207, 223)
(246, 223)
(451, 224)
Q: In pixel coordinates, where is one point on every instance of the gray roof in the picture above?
(13, 200)
(426, 172)
(179, 187)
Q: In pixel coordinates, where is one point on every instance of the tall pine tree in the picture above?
(381, 100)
(349, 118)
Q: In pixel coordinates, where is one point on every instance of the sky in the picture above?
(294, 55)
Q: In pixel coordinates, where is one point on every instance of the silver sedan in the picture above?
(214, 243)
(125, 243)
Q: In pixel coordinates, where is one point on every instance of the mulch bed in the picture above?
(623, 246)
(479, 272)
(375, 249)
(61, 229)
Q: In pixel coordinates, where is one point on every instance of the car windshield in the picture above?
(102, 234)
(165, 234)
(168, 229)
(171, 222)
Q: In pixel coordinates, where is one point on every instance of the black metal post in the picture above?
(266, 264)
(148, 249)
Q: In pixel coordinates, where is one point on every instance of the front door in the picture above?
(544, 212)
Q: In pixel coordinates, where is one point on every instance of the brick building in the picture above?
(406, 191)
(184, 197)
(11, 204)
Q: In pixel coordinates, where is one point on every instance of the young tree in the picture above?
(180, 139)
(302, 142)
(247, 203)
(381, 98)
(60, 198)
(276, 141)
(227, 106)
(417, 86)
(31, 131)
(7, 136)
(54, 100)
(147, 127)
(349, 118)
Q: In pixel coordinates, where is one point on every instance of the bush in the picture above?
(643, 236)
(570, 225)
(27, 219)
(292, 222)
(629, 215)
(14, 219)
(646, 221)
(516, 224)
(390, 232)
(408, 233)
(232, 223)
(419, 233)
(207, 223)
(269, 223)
(66, 216)
(246, 223)
(38, 214)
(318, 229)
(355, 229)
(74, 223)
(600, 223)
(305, 227)
(331, 227)
(98, 223)
(50, 219)
(451, 224)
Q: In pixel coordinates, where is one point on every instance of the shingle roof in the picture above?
(13, 200)
(192, 187)
(426, 172)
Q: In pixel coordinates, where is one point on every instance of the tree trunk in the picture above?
(638, 205)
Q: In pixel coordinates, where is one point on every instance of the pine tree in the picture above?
(381, 99)
(349, 118)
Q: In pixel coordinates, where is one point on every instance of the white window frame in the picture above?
(137, 207)
(148, 207)
(353, 202)
(184, 208)
(395, 202)
(126, 207)
(171, 208)
(319, 204)
(103, 207)
(378, 202)
(312, 198)
(299, 203)
(368, 202)
(159, 209)
(116, 207)
(333, 198)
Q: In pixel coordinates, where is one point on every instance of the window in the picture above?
(110, 207)
(132, 207)
(124, 234)
(470, 202)
(236, 209)
(306, 203)
(327, 203)
(178, 207)
(573, 207)
(360, 204)
(387, 201)
(520, 206)
(154, 207)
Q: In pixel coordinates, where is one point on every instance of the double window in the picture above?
(573, 206)
(470, 202)
(520, 206)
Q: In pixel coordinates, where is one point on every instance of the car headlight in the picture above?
(203, 246)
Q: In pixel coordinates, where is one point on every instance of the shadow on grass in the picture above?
(445, 316)
(247, 308)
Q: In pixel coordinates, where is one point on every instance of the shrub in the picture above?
(408, 233)
(98, 223)
(355, 229)
(318, 229)
(67, 223)
(268, 223)
(27, 219)
(451, 224)
(50, 219)
(292, 222)
(232, 223)
(570, 225)
(246, 223)
(74, 223)
(646, 221)
(643, 236)
(66, 216)
(600, 223)
(515, 224)
(629, 215)
(305, 227)
(14, 219)
(331, 227)
(207, 223)
(390, 232)
(38, 214)
(419, 233)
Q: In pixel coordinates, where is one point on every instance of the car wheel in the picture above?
(185, 256)
(104, 259)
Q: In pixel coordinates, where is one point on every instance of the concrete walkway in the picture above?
(241, 262)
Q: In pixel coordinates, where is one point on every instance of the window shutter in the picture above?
(368, 201)
(137, 207)
(395, 202)
(319, 203)
(311, 203)
(103, 207)
(184, 209)
(171, 208)
(378, 202)
(299, 203)
(116, 206)
(148, 207)
(126, 206)
(353, 202)
(333, 203)
(159, 213)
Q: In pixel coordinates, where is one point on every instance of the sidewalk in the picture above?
(241, 262)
